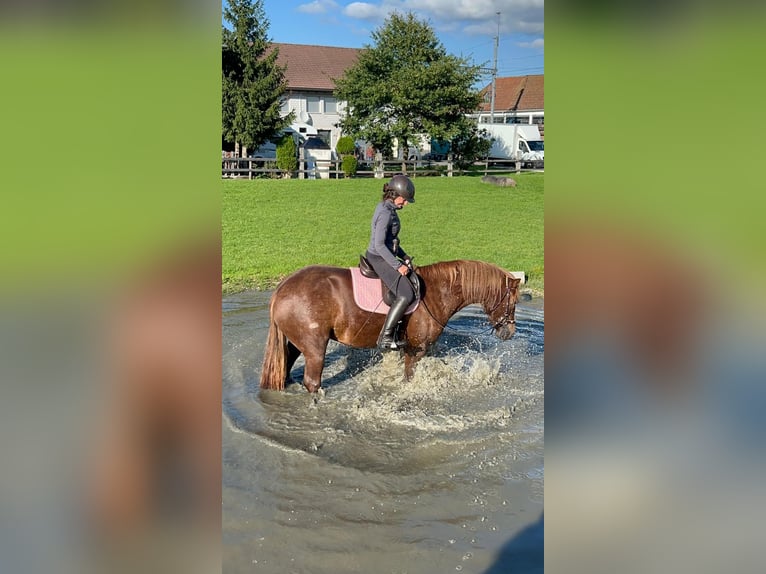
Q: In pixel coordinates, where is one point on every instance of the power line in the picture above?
(536, 69)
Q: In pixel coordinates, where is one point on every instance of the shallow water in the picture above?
(433, 475)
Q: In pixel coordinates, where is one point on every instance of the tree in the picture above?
(253, 83)
(465, 148)
(345, 146)
(349, 165)
(407, 85)
(287, 159)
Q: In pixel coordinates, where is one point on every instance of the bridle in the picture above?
(506, 318)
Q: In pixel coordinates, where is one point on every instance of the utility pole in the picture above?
(494, 73)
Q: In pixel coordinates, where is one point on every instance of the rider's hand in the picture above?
(403, 269)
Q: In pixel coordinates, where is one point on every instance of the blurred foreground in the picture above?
(110, 288)
(654, 273)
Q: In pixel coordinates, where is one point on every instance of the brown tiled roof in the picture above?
(314, 67)
(516, 93)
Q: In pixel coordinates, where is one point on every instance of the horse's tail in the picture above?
(274, 369)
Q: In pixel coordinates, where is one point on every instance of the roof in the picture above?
(314, 67)
(516, 93)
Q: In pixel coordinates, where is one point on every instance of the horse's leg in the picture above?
(292, 355)
(412, 356)
(312, 374)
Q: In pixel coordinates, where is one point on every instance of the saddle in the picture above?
(388, 296)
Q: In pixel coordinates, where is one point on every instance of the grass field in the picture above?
(271, 228)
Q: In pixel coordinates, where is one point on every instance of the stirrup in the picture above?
(390, 343)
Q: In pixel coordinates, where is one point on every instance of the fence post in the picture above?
(449, 164)
(379, 173)
(301, 163)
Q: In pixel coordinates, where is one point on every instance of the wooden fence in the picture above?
(251, 168)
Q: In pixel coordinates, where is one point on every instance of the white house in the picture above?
(311, 73)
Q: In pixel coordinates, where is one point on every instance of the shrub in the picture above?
(345, 146)
(287, 159)
(349, 165)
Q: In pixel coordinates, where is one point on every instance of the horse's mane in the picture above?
(475, 280)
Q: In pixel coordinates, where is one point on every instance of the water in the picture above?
(433, 475)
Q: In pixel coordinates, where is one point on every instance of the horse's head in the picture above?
(502, 311)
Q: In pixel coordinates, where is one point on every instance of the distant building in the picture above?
(312, 70)
(518, 100)
(311, 73)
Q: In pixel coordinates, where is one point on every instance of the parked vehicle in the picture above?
(301, 131)
(516, 142)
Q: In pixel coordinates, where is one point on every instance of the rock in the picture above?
(499, 181)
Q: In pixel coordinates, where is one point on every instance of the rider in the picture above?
(389, 260)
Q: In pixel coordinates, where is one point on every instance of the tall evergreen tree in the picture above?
(406, 85)
(253, 83)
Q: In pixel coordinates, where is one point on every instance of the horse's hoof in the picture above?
(318, 394)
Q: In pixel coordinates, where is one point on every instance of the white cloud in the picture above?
(318, 7)
(537, 44)
(365, 11)
(518, 26)
(474, 17)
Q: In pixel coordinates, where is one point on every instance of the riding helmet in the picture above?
(403, 186)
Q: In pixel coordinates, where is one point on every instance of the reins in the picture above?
(504, 320)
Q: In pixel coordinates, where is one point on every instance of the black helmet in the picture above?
(403, 187)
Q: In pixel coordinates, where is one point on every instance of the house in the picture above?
(311, 73)
(518, 100)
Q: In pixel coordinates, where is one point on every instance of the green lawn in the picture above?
(273, 227)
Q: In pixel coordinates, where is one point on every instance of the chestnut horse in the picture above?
(316, 304)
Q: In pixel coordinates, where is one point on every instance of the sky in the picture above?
(467, 28)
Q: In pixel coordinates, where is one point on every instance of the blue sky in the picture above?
(466, 27)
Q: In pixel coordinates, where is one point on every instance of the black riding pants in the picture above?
(395, 281)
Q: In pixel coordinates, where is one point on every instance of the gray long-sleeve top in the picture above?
(384, 229)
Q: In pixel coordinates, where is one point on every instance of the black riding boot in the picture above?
(387, 341)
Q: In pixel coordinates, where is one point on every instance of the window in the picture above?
(312, 104)
(330, 106)
(324, 135)
(538, 120)
(285, 107)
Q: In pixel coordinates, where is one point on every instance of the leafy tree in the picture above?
(467, 147)
(405, 85)
(253, 83)
(287, 159)
(350, 165)
(345, 146)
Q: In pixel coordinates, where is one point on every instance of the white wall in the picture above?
(322, 114)
(525, 117)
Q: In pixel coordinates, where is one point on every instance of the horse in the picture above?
(316, 304)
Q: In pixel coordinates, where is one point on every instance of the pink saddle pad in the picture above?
(368, 295)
